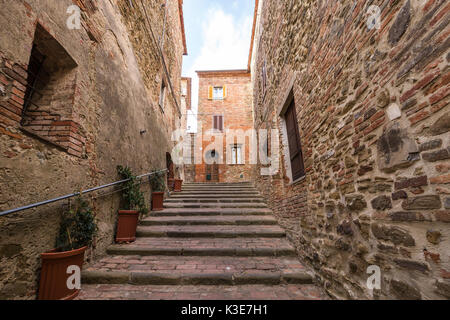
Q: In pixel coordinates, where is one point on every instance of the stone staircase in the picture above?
(212, 241)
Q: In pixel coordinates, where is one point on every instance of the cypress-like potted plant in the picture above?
(158, 187)
(134, 203)
(76, 232)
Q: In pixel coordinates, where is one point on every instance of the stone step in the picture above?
(206, 188)
(213, 192)
(201, 278)
(244, 247)
(201, 292)
(211, 231)
(219, 211)
(195, 264)
(227, 184)
(214, 196)
(213, 220)
(212, 199)
(181, 204)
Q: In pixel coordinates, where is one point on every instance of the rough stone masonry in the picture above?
(370, 87)
(99, 108)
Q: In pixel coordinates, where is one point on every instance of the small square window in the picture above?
(218, 93)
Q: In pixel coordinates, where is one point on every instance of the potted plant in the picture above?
(171, 183)
(158, 187)
(177, 185)
(134, 205)
(76, 232)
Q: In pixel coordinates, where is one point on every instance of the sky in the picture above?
(218, 36)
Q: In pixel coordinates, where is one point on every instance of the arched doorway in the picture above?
(212, 169)
(170, 171)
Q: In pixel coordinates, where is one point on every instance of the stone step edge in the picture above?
(188, 213)
(212, 222)
(210, 234)
(194, 195)
(218, 205)
(155, 278)
(245, 199)
(216, 252)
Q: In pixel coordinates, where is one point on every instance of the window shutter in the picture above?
(233, 155)
(210, 93)
(220, 123)
(224, 91)
(215, 126)
(239, 150)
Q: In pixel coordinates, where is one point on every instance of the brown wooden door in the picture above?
(295, 148)
(212, 172)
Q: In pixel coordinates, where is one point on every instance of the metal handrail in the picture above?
(37, 204)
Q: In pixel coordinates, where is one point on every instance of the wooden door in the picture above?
(212, 170)
(295, 148)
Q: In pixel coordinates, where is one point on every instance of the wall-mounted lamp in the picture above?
(143, 131)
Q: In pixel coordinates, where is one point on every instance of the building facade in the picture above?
(358, 92)
(224, 127)
(85, 86)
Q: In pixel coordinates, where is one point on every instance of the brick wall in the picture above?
(374, 119)
(236, 110)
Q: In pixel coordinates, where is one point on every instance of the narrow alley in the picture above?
(225, 150)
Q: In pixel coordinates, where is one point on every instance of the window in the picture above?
(218, 122)
(218, 93)
(236, 154)
(295, 148)
(162, 95)
(49, 98)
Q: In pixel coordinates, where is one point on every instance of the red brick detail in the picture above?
(440, 179)
(438, 96)
(419, 85)
(440, 15)
(442, 215)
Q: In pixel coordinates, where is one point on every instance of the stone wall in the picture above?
(236, 110)
(114, 119)
(374, 120)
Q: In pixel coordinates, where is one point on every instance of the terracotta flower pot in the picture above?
(157, 201)
(126, 226)
(53, 281)
(171, 183)
(177, 186)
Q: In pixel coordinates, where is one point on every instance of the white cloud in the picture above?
(226, 45)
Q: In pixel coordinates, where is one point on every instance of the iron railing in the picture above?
(67, 196)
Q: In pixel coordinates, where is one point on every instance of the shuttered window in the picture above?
(217, 92)
(218, 123)
(295, 148)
